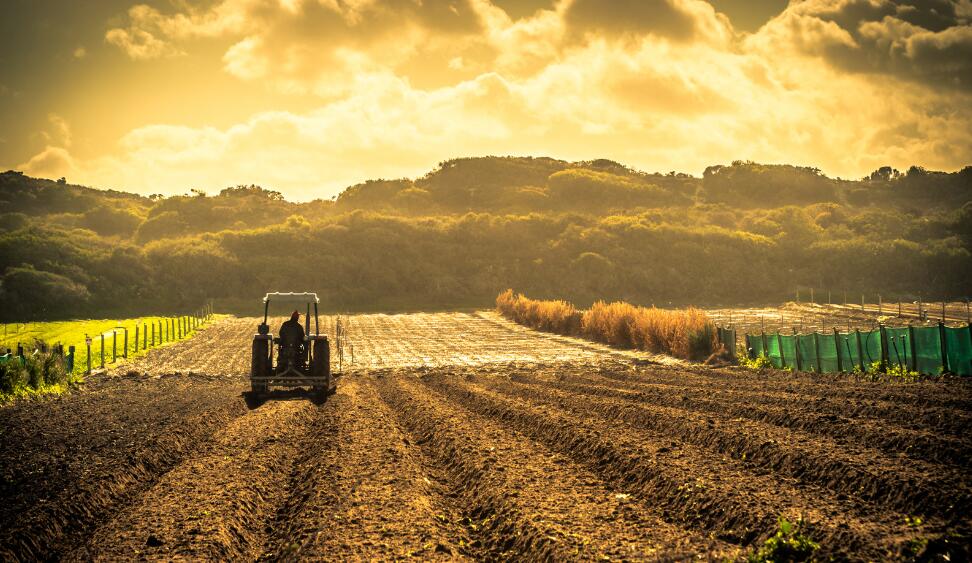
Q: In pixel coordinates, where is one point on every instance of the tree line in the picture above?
(741, 234)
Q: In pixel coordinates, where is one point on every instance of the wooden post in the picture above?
(811, 297)
(884, 348)
(944, 345)
(153, 333)
(799, 356)
(899, 308)
(87, 343)
(144, 336)
(943, 310)
(816, 349)
(102, 350)
(840, 362)
(70, 368)
(828, 296)
(749, 349)
(126, 344)
(136, 338)
(114, 346)
(779, 342)
(911, 344)
(880, 305)
(860, 350)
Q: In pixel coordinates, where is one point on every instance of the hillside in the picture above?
(472, 227)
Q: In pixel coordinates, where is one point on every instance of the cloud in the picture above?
(846, 85)
(681, 20)
(52, 162)
(928, 42)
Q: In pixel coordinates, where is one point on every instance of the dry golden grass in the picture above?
(687, 333)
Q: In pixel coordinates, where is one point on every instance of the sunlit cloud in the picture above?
(845, 85)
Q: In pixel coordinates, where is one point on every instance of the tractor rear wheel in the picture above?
(259, 364)
(321, 365)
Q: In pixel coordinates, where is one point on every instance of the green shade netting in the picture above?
(789, 350)
(958, 342)
(756, 345)
(773, 350)
(827, 347)
(928, 350)
(807, 351)
(871, 347)
(899, 347)
(847, 350)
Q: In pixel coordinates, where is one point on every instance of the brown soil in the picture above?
(463, 436)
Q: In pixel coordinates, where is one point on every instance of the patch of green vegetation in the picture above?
(73, 333)
(39, 373)
(759, 362)
(789, 543)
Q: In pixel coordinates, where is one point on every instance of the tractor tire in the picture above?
(259, 364)
(321, 365)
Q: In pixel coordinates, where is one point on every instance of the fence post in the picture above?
(70, 359)
(102, 350)
(860, 350)
(749, 349)
(944, 345)
(136, 338)
(144, 336)
(765, 344)
(911, 344)
(87, 343)
(840, 363)
(816, 349)
(779, 342)
(114, 346)
(884, 349)
(153, 333)
(796, 349)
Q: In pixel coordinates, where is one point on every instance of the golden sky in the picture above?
(309, 96)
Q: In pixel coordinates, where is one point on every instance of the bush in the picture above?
(687, 334)
(34, 372)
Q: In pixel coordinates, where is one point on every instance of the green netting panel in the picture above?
(828, 353)
(958, 342)
(789, 350)
(808, 352)
(756, 345)
(928, 350)
(899, 347)
(847, 350)
(871, 347)
(773, 350)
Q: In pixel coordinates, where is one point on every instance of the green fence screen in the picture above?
(914, 349)
(958, 343)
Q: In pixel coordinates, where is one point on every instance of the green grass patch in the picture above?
(73, 333)
(789, 543)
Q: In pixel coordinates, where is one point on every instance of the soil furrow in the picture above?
(70, 463)
(529, 501)
(899, 484)
(359, 491)
(926, 445)
(954, 421)
(695, 487)
(217, 503)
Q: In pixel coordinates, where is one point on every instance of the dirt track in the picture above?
(458, 436)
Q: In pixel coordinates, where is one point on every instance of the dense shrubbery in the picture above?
(585, 231)
(37, 371)
(685, 333)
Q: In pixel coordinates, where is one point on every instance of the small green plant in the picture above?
(789, 543)
(39, 372)
(759, 362)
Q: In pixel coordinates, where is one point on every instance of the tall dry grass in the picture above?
(686, 333)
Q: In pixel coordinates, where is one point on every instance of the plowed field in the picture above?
(464, 436)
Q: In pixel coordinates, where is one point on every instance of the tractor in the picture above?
(304, 363)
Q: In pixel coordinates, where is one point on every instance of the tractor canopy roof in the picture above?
(291, 298)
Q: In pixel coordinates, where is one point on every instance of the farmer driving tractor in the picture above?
(292, 341)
